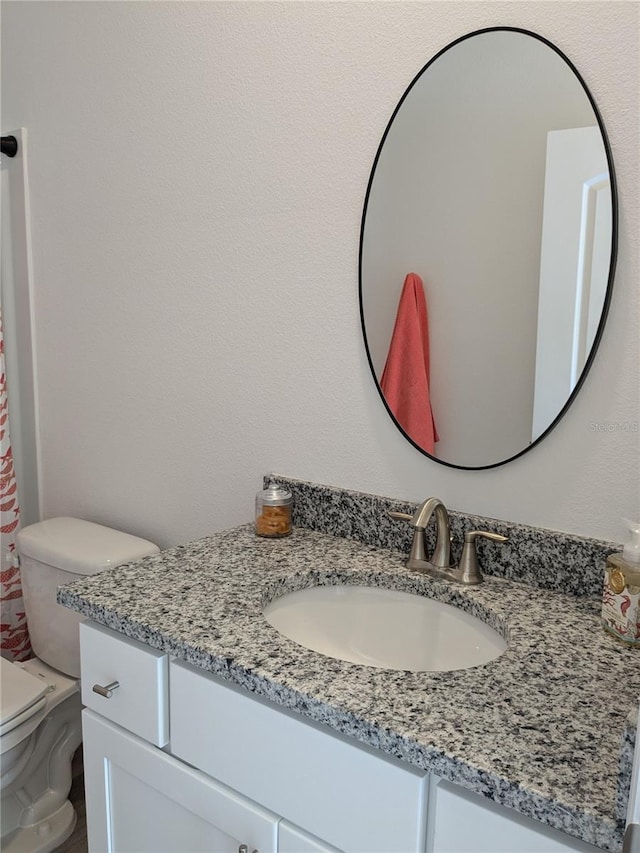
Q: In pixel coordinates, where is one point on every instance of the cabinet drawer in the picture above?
(140, 702)
(346, 795)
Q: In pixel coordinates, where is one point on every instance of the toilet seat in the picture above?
(23, 697)
(29, 691)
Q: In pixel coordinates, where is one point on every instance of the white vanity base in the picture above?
(238, 770)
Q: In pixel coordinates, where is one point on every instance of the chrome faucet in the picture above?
(439, 564)
(441, 556)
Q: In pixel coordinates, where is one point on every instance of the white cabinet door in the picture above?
(347, 795)
(141, 800)
(463, 822)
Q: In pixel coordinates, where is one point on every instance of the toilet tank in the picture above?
(56, 552)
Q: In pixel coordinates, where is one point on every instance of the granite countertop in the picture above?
(545, 729)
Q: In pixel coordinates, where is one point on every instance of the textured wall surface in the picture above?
(197, 173)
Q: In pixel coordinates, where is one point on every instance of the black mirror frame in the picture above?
(612, 263)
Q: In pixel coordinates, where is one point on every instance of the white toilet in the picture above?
(40, 725)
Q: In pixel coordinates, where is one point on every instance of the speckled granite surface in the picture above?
(539, 730)
(544, 558)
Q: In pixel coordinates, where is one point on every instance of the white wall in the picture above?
(197, 178)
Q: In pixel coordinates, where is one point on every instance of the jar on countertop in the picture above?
(273, 511)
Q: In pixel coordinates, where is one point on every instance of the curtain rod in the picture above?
(9, 146)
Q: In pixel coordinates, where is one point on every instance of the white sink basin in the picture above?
(384, 628)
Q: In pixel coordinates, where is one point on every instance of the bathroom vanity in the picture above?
(222, 734)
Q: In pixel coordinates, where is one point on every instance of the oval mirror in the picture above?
(487, 248)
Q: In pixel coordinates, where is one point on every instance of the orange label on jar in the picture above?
(274, 521)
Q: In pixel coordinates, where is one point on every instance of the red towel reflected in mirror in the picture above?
(405, 378)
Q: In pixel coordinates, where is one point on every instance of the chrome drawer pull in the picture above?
(107, 690)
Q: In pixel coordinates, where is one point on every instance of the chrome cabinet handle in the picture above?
(107, 690)
(244, 849)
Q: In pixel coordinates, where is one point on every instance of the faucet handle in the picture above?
(400, 516)
(472, 535)
(469, 568)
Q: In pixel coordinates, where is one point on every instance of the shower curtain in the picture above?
(14, 642)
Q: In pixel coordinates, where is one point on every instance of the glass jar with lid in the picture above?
(273, 511)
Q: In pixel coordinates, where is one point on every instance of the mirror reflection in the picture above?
(487, 248)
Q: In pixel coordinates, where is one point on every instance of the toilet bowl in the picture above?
(39, 734)
(40, 723)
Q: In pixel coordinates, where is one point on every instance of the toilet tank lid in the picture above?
(79, 546)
